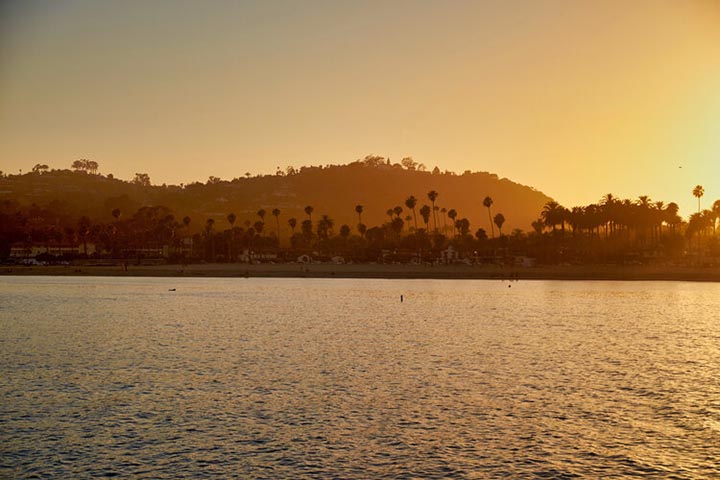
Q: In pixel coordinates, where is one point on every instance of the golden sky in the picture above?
(576, 98)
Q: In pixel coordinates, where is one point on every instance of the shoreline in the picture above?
(378, 271)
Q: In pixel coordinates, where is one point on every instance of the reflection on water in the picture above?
(297, 378)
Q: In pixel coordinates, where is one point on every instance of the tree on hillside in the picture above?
(409, 163)
(141, 179)
(38, 168)
(92, 166)
(488, 202)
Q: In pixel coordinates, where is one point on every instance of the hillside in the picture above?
(332, 190)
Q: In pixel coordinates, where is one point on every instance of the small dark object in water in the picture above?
(172, 289)
(401, 299)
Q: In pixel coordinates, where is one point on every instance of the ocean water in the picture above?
(336, 378)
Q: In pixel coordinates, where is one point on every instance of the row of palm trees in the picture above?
(641, 224)
(396, 223)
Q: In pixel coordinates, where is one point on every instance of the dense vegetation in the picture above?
(185, 223)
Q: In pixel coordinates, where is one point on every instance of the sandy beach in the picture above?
(294, 270)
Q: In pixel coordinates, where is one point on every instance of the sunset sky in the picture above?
(576, 98)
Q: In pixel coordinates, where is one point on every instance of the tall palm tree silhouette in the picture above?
(488, 202)
(716, 214)
(552, 215)
(231, 220)
(293, 223)
(410, 203)
(359, 211)
(276, 213)
(499, 221)
(698, 192)
(308, 211)
(432, 196)
(425, 214)
(452, 213)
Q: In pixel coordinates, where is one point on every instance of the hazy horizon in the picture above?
(615, 97)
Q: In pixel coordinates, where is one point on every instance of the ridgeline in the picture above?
(334, 190)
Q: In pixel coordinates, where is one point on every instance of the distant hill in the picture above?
(331, 190)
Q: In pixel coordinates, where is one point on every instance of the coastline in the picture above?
(380, 271)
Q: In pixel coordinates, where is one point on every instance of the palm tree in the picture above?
(293, 223)
(410, 203)
(308, 211)
(452, 213)
(231, 220)
(698, 192)
(716, 214)
(359, 211)
(671, 216)
(398, 211)
(208, 233)
(552, 214)
(276, 214)
(488, 202)
(261, 214)
(344, 232)
(425, 214)
(432, 196)
(538, 225)
(325, 226)
(499, 221)
(444, 212)
(389, 212)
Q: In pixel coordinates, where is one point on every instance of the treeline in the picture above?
(420, 229)
(375, 182)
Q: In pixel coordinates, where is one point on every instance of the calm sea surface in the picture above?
(298, 378)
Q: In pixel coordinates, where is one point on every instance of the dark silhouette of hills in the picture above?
(335, 190)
